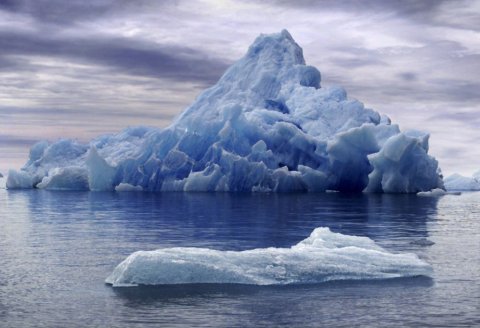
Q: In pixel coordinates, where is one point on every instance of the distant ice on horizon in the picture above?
(461, 183)
(266, 126)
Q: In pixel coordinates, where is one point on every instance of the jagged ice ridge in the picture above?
(267, 125)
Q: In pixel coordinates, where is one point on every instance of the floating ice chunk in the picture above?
(460, 182)
(1, 175)
(19, 180)
(433, 193)
(127, 187)
(422, 242)
(65, 178)
(324, 256)
(266, 125)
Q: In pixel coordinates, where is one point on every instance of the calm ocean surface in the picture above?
(57, 248)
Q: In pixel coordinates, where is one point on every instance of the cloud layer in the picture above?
(82, 68)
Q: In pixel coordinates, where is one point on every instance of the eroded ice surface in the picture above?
(323, 256)
(462, 183)
(267, 125)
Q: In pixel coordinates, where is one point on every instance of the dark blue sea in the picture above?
(57, 248)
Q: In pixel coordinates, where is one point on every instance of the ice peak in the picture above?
(278, 47)
(273, 62)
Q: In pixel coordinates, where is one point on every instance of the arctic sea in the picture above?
(57, 248)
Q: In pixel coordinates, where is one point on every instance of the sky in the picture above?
(81, 68)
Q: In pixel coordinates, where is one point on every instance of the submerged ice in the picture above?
(323, 256)
(267, 125)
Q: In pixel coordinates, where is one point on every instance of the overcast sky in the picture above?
(81, 68)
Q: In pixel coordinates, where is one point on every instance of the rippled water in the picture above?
(56, 249)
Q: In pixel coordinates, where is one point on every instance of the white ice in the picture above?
(267, 125)
(433, 193)
(19, 180)
(2, 182)
(462, 183)
(324, 256)
(127, 187)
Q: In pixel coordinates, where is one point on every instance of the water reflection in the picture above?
(57, 248)
(235, 221)
(169, 293)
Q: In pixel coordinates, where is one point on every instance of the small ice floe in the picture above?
(323, 256)
(423, 242)
(433, 193)
(454, 193)
(128, 187)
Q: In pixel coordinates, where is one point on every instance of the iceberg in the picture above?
(461, 183)
(266, 126)
(323, 256)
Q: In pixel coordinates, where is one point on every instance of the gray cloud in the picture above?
(419, 10)
(355, 62)
(404, 7)
(129, 56)
(79, 114)
(408, 76)
(62, 12)
(437, 71)
(16, 141)
(469, 118)
(434, 13)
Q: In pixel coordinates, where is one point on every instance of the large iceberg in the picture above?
(324, 256)
(267, 125)
(460, 182)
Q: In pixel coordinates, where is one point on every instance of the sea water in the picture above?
(57, 248)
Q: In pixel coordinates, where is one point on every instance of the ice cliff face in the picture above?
(265, 126)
